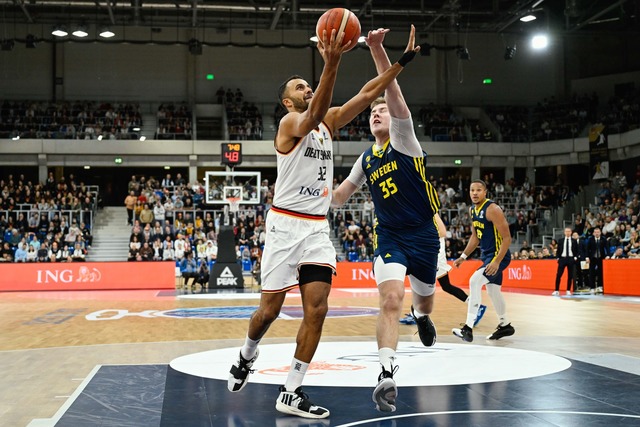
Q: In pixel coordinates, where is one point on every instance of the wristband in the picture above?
(406, 58)
(463, 255)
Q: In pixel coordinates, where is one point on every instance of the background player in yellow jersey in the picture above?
(298, 251)
(491, 231)
(406, 237)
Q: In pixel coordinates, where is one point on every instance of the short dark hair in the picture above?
(479, 181)
(283, 87)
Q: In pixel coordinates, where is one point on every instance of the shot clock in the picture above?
(231, 154)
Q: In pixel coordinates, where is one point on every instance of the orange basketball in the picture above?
(341, 20)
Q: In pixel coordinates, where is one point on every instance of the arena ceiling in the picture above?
(429, 16)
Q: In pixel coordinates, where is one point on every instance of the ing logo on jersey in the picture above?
(387, 256)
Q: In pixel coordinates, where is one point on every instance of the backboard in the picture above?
(220, 185)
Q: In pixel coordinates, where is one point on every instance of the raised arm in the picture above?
(393, 95)
(298, 124)
(340, 116)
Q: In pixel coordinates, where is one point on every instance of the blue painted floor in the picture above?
(156, 395)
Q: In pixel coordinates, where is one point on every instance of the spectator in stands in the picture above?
(211, 251)
(130, 204)
(79, 253)
(32, 254)
(6, 254)
(21, 253)
(43, 252)
(146, 252)
(189, 268)
(619, 254)
(55, 253)
(146, 215)
(134, 244)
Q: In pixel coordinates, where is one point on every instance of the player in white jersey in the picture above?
(298, 250)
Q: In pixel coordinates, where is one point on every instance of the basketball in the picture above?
(341, 20)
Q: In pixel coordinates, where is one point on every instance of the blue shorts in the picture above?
(496, 279)
(416, 249)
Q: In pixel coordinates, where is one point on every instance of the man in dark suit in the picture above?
(597, 250)
(567, 254)
(581, 277)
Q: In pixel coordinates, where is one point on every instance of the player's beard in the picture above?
(300, 104)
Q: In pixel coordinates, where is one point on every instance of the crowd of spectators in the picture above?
(442, 124)
(555, 119)
(622, 113)
(244, 121)
(69, 120)
(174, 121)
(170, 222)
(45, 222)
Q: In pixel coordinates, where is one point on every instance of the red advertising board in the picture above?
(87, 276)
(532, 274)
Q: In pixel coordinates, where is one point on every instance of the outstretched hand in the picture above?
(412, 41)
(375, 37)
(332, 49)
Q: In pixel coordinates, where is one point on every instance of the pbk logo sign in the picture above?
(83, 274)
(520, 273)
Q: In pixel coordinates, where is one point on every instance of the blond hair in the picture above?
(377, 101)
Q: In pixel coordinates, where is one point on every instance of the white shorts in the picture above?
(396, 271)
(443, 267)
(291, 242)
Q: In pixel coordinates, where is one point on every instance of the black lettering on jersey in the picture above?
(316, 153)
(322, 174)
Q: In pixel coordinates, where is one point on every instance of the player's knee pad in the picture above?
(478, 279)
(421, 288)
(314, 273)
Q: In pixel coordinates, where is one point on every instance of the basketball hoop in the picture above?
(234, 204)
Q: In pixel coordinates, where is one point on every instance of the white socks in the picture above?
(296, 374)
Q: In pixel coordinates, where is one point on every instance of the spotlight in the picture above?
(528, 18)
(509, 53)
(30, 41)
(106, 33)
(59, 31)
(7, 44)
(81, 31)
(539, 41)
(195, 47)
(463, 54)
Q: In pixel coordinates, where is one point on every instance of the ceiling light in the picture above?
(81, 31)
(539, 41)
(106, 33)
(59, 31)
(528, 18)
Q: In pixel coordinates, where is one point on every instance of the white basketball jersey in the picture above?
(305, 174)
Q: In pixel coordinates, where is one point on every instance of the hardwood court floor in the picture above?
(51, 341)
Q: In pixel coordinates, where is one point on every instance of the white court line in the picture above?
(396, 417)
(51, 422)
